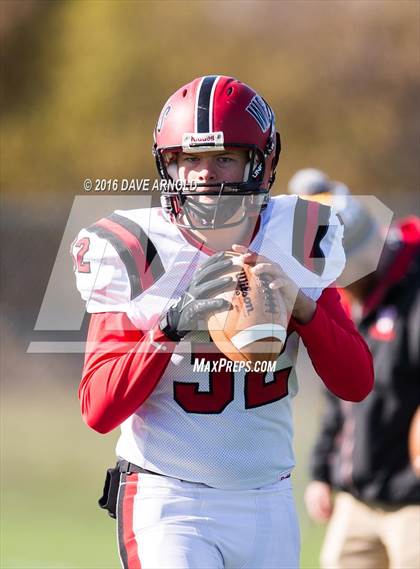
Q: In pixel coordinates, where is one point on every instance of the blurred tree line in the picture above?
(84, 81)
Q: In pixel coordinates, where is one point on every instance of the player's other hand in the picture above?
(300, 306)
(319, 501)
(191, 311)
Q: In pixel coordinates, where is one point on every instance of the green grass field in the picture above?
(52, 474)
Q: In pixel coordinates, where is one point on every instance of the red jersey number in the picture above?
(258, 392)
(219, 395)
(83, 246)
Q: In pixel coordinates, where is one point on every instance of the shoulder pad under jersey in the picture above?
(115, 262)
(305, 237)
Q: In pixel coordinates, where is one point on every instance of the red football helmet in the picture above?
(214, 113)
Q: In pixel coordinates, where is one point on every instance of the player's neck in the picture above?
(223, 239)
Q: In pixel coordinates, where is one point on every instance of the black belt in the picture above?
(130, 468)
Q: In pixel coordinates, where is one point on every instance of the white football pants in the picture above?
(164, 523)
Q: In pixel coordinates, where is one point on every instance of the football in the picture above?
(254, 329)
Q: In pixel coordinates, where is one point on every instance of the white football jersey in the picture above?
(225, 429)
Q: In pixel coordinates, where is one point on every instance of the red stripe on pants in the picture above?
(129, 539)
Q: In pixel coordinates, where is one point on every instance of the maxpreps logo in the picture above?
(224, 365)
(195, 141)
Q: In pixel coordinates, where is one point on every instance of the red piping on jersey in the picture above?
(134, 247)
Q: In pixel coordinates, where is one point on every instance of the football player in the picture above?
(205, 457)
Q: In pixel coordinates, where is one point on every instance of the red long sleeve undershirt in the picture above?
(122, 367)
(338, 352)
(123, 364)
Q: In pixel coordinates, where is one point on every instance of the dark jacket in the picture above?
(363, 448)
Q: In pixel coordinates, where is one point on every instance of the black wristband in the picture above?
(168, 329)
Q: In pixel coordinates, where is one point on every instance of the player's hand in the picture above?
(301, 307)
(318, 501)
(198, 301)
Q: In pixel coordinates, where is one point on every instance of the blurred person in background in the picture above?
(362, 452)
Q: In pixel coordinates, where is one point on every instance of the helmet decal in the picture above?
(261, 112)
(162, 117)
(257, 170)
